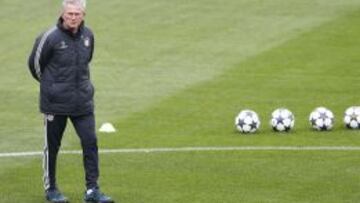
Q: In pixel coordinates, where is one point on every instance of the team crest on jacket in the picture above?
(86, 41)
(63, 45)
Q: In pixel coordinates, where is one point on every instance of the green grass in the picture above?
(309, 71)
(174, 74)
(206, 177)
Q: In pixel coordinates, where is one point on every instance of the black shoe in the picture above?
(95, 196)
(55, 196)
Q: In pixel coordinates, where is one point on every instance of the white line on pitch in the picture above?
(196, 149)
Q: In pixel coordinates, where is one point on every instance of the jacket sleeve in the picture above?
(92, 41)
(39, 56)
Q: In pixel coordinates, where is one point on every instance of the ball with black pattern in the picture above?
(282, 120)
(322, 119)
(247, 121)
(352, 117)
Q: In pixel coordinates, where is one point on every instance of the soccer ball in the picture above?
(321, 119)
(352, 117)
(247, 121)
(282, 120)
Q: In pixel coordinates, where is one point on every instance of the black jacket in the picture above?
(60, 62)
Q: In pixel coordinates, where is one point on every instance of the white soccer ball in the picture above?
(247, 121)
(352, 117)
(282, 120)
(321, 119)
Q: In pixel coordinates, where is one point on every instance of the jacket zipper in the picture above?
(75, 41)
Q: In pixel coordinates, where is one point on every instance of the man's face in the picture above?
(73, 16)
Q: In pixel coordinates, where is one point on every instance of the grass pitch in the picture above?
(175, 74)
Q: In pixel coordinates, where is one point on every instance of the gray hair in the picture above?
(81, 3)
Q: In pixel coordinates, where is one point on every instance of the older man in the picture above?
(60, 62)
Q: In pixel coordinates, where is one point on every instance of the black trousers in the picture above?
(85, 128)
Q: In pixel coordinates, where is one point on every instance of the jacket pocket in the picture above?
(61, 93)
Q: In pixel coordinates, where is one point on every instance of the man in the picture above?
(60, 62)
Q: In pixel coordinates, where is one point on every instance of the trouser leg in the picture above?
(54, 129)
(85, 128)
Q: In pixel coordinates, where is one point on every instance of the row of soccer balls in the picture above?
(282, 119)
